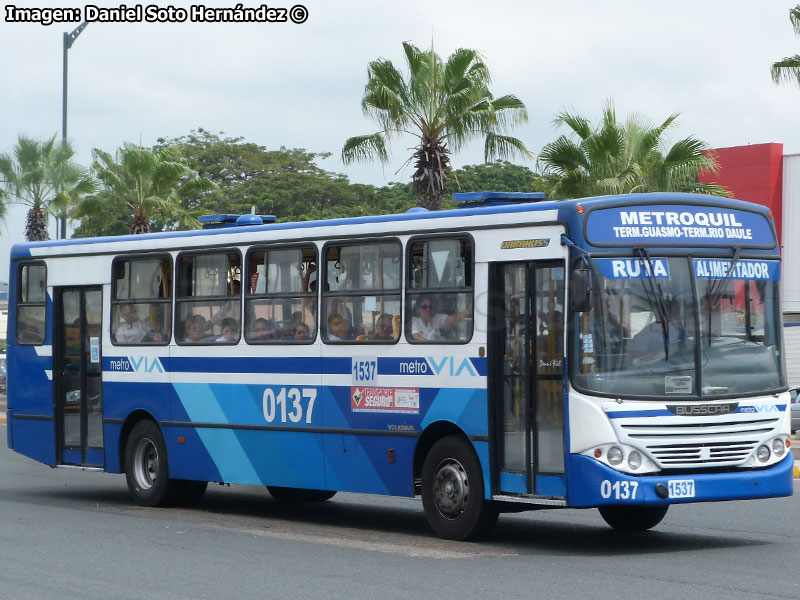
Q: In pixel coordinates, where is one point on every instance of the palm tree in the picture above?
(42, 175)
(443, 105)
(788, 69)
(619, 159)
(143, 184)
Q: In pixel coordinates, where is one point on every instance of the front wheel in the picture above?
(633, 518)
(452, 492)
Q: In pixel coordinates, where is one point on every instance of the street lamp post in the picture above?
(69, 39)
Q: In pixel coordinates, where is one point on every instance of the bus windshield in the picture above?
(679, 326)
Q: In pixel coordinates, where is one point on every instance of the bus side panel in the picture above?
(111, 432)
(189, 459)
(30, 387)
(232, 441)
(369, 464)
(382, 463)
(36, 439)
(124, 397)
(30, 394)
(120, 399)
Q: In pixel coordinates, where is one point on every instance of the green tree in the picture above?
(497, 176)
(788, 69)
(42, 175)
(614, 158)
(443, 105)
(286, 183)
(145, 186)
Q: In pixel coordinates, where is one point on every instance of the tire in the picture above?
(452, 492)
(288, 494)
(147, 467)
(633, 518)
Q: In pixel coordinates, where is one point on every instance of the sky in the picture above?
(299, 85)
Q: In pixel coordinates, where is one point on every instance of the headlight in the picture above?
(614, 456)
(762, 453)
(778, 447)
(634, 460)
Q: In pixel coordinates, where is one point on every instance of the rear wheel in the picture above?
(633, 518)
(147, 468)
(452, 492)
(288, 494)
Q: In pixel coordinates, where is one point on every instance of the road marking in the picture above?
(373, 541)
(389, 547)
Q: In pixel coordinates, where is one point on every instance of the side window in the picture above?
(31, 303)
(141, 308)
(209, 298)
(361, 299)
(439, 290)
(281, 299)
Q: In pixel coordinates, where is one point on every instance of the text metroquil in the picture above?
(153, 13)
(680, 224)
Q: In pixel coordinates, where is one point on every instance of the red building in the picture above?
(761, 173)
(754, 174)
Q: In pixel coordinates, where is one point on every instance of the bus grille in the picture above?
(692, 444)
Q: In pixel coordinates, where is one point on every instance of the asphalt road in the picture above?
(70, 534)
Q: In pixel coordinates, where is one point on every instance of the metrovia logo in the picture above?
(449, 365)
(143, 364)
(760, 408)
(702, 410)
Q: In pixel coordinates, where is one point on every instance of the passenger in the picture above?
(131, 330)
(337, 328)
(426, 325)
(290, 326)
(196, 329)
(230, 331)
(262, 331)
(383, 328)
(302, 333)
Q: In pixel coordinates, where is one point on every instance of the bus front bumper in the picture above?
(591, 483)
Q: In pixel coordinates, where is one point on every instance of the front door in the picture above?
(78, 376)
(526, 352)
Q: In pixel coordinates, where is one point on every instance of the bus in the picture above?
(621, 353)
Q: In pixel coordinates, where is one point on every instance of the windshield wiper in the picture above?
(656, 296)
(715, 290)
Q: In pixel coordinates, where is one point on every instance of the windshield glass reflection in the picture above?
(640, 337)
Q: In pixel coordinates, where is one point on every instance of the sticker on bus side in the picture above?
(384, 400)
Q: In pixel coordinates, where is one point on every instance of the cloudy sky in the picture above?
(299, 85)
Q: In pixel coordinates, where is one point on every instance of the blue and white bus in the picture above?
(621, 352)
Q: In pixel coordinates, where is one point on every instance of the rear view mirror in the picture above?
(580, 290)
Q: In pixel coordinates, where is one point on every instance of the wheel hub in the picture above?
(450, 488)
(146, 464)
